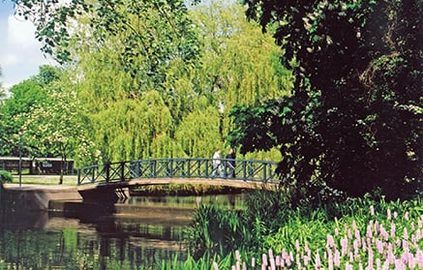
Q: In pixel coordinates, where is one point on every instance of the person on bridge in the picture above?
(217, 171)
(231, 156)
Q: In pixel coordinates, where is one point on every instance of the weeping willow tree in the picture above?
(164, 102)
(239, 64)
(123, 75)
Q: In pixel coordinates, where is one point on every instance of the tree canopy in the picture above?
(354, 122)
(150, 76)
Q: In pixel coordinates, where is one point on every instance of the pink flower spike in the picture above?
(297, 245)
(405, 234)
(419, 258)
(392, 230)
(348, 266)
(344, 246)
(399, 265)
(237, 256)
(388, 214)
(379, 246)
(376, 226)
(330, 242)
(215, 266)
(369, 233)
(337, 259)
(372, 210)
(272, 260)
(318, 263)
(306, 260)
(386, 265)
(264, 260)
(278, 260)
(330, 261)
(411, 262)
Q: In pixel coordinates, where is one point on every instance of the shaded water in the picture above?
(143, 232)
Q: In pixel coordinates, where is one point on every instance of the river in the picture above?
(143, 232)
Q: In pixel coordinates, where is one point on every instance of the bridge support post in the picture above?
(207, 169)
(244, 170)
(122, 171)
(169, 168)
(188, 167)
(93, 175)
(107, 169)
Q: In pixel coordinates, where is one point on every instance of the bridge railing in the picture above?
(251, 170)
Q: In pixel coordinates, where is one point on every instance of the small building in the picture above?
(39, 166)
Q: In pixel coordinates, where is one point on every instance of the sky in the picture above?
(20, 54)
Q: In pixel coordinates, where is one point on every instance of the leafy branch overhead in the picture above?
(159, 32)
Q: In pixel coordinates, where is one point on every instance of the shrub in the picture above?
(5, 177)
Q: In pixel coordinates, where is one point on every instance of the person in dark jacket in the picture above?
(231, 156)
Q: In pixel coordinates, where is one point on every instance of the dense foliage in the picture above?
(23, 97)
(357, 232)
(354, 121)
(5, 177)
(141, 89)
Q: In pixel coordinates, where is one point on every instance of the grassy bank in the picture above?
(70, 180)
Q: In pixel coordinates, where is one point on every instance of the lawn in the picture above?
(69, 180)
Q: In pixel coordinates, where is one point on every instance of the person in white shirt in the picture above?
(216, 164)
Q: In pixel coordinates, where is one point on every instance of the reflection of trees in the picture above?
(95, 242)
(112, 244)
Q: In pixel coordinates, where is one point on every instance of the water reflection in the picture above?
(142, 233)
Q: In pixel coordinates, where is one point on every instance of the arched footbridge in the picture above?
(100, 182)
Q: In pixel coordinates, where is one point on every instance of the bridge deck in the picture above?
(241, 184)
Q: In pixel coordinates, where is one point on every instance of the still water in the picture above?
(142, 233)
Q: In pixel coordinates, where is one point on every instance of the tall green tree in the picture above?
(23, 96)
(132, 58)
(189, 93)
(238, 65)
(56, 127)
(354, 122)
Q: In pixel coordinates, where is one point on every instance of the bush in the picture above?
(5, 177)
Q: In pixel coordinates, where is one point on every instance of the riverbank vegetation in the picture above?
(350, 235)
